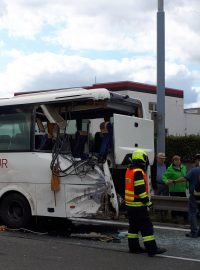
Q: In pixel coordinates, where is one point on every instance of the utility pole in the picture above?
(160, 77)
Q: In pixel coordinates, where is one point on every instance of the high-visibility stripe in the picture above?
(143, 195)
(134, 204)
(138, 170)
(129, 198)
(139, 183)
(133, 235)
(196, 193)
(129, 195)
(148, 238)
(149, 204)
(128, 191)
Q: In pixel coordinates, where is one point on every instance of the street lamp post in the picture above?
(160, 77)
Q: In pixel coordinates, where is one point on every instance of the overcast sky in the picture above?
(47, 44)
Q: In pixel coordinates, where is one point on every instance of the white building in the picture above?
(192, 121)
(177, 120)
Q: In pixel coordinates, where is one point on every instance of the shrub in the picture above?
(185, 146)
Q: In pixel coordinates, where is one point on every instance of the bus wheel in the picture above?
(15, 211)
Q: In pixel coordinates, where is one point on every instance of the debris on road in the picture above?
(97, 236)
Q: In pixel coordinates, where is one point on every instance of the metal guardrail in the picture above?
(170, 203)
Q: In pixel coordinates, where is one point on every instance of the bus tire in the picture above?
(15, 211)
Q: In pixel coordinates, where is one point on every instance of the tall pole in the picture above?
(160, 77)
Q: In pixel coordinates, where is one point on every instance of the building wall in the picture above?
(174, 112)
(192, 123)
(177, 120)
(174, 116)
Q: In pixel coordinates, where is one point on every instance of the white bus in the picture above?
(48, 164)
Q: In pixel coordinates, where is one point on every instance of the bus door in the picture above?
(132, 133)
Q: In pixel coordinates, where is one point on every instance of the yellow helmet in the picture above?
(139, 155)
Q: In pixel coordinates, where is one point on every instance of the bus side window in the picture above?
(20, 142)
(4, 142)
(15, 131)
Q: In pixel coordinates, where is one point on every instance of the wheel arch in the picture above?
(15, 189)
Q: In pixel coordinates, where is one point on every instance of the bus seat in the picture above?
(79, 144)
(46, 143)
(67, 143)
(38, 140)
(4, 142)
(97, 142)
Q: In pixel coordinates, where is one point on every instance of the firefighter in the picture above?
(137, 202)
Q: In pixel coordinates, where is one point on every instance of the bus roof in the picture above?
(53, 96)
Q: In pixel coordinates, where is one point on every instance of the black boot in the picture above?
(157, 251)
(134, 246)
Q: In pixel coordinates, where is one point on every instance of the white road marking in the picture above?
(179, 258)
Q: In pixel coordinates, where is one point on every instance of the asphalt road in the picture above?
(20, 251)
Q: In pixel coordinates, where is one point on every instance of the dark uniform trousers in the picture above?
(139, 221)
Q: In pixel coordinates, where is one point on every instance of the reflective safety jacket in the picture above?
(136, 188)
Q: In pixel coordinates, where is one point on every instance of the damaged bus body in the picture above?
(50, 164)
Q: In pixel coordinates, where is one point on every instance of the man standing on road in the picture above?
(193, 177)
(157, 171)
(137, 202)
